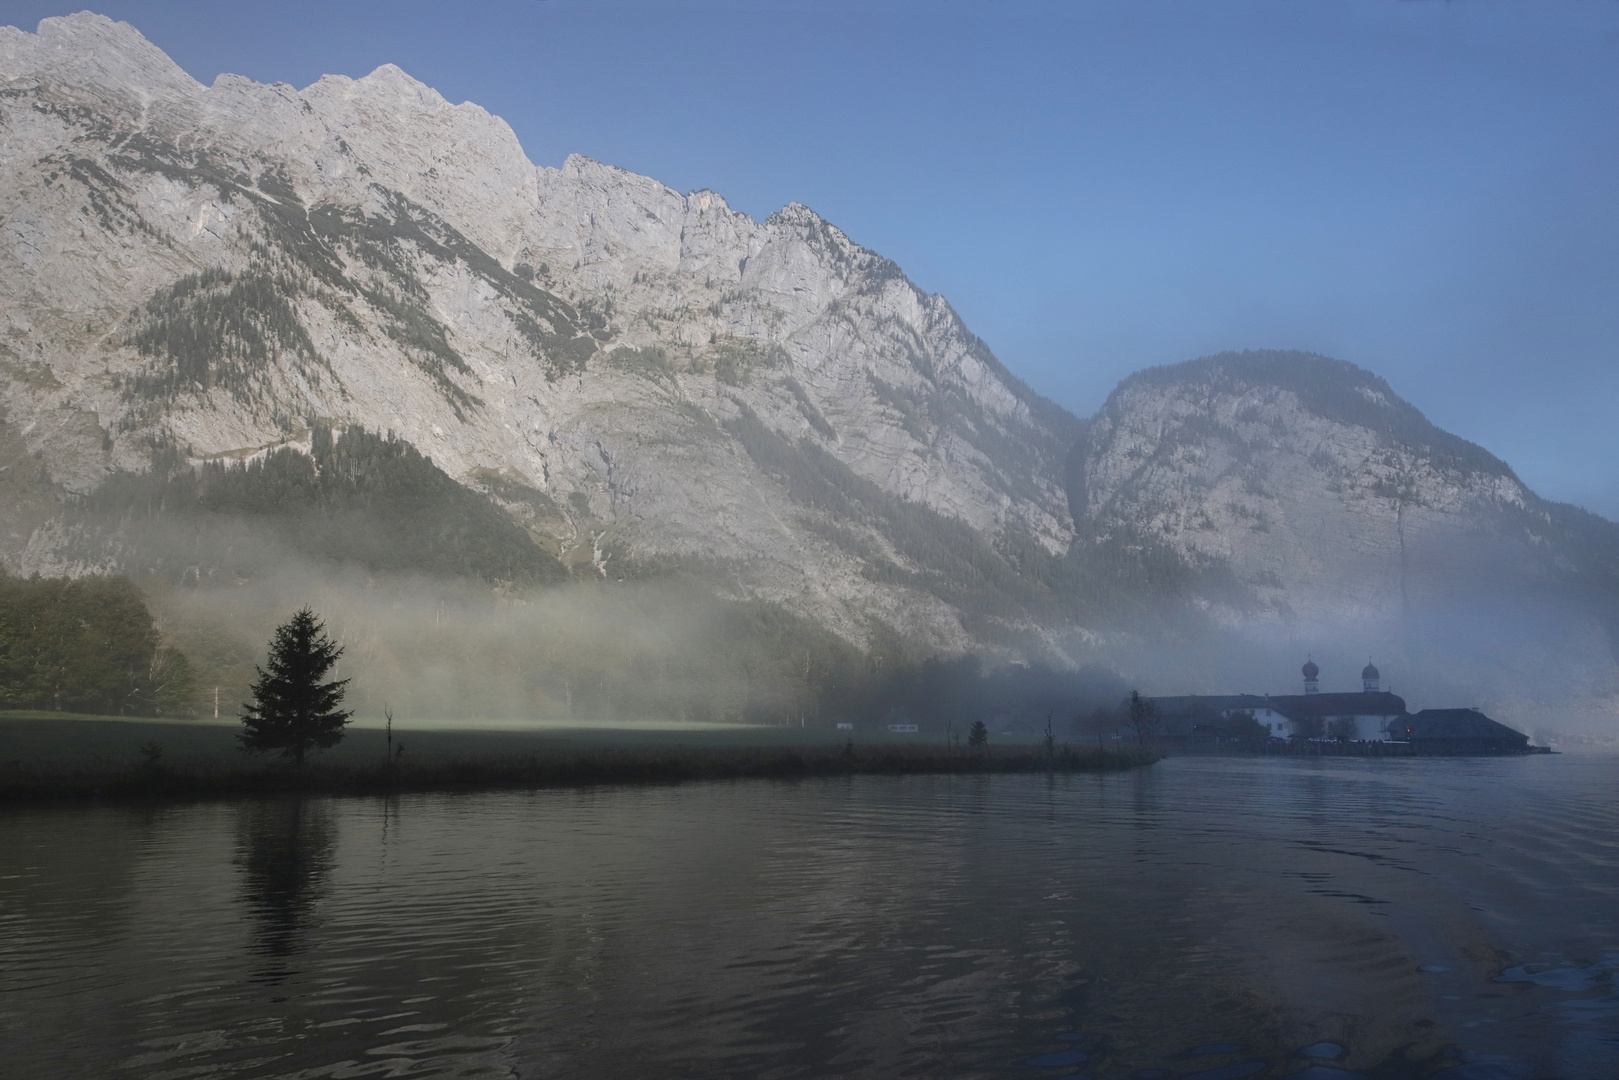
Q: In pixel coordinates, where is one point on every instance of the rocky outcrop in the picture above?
(213, 269)
(1303, 502)
(649, 381)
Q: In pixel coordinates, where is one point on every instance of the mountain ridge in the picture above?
(363, 252)
(1314, 503)
(648, 382)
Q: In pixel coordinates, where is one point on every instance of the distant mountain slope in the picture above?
(1299, 497)
(582, 371)
(205, 271)
(351, 498)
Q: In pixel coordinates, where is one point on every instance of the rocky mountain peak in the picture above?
(1230, 459)
(646, 382)
(91, 59)
(640, 377)
(1332, 390)
(1299, 498)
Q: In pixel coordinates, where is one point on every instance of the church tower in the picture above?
(1370, 680)
(1311, 674)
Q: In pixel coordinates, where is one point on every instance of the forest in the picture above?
(88, 645)
(357, 499)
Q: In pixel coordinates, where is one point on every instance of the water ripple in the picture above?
(1398, 913)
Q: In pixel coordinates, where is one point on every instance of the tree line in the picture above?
(92, 645)
(87, 645)
(357, 498)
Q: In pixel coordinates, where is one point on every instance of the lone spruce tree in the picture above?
(293, 710)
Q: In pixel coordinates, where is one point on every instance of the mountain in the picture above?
(1298, 498)
(353, 325)
(645, 380)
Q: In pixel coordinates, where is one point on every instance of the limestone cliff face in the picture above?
(210, 269)
(1298, 498)
(645, 379)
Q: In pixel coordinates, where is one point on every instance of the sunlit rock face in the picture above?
(1300, 500)
(649, 381)
(212, 269)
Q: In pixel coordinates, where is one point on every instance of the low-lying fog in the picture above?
(437, 652)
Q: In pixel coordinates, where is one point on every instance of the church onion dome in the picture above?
(1370, 672)
(1310, 670)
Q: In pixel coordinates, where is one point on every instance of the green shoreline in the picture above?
(20, 783)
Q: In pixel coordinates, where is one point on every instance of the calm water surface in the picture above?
(1215, 918)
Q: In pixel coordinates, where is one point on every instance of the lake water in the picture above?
(1214, 918)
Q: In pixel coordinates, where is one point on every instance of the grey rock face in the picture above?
(208, 268)
(1309, 504)
(647, 379)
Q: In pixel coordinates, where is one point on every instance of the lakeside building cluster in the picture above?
(1368, 716)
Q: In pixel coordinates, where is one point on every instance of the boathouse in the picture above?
(1460, 731)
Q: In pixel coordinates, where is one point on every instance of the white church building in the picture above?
(1372, 714)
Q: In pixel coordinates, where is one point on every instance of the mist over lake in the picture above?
(608, 538)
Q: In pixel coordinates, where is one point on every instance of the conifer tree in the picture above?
(293, 710)
(86, 645)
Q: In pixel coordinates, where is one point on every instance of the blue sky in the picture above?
(1428, 189)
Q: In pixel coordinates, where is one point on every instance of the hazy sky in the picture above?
(1428, 189)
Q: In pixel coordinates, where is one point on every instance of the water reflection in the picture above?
(1210, 918)
(284, 850)
(48, 854)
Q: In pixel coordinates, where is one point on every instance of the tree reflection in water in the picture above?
(284, 849)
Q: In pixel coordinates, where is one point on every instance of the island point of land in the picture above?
(1369, 722)
(46, 756)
